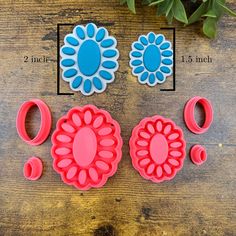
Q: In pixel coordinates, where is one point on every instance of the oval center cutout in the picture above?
(89, 58)
(85, 146)
(152, 58)
(159, 148)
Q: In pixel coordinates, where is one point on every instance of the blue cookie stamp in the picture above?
(89, 59)
(151, 59)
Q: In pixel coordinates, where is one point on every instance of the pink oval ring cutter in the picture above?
(157, 148)
(33, 168)
(45, 126)
(86, 147)
(189, 115)
(198, 154)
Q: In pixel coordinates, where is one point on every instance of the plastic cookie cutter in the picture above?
(198, 154)
(33, 168)
(189, 115)
(45, 126)
(151, 59)
(89, 59)
(86, 147)
(157, 148)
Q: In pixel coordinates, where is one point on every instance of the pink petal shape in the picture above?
(76, 119)
(82, 177)
(93, 174)
(98, 122)
(159, 126)
(159, 171)
(64, 138)
(142, 143)
(150, 169)
(107, 142)
(105, 154)
(151, 128)
(176, 144)
(173, 162)
(142, 152)
(87, 117)
(71, 172)
(105, 131)
(144, 162)
(175, 153)
(64, 163)
(68, 128)
(62, 151)
(102, 165)
(173, 136)
(145, 135)
(167, 129)
(167, 169)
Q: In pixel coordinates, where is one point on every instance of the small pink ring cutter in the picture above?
(189, 115)
(198, 154)
(33, 168)
(45, 126)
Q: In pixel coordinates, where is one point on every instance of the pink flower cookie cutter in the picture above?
(198, 154)
(189, 115)
(157, 148)
(33, 168)
(45, 126)
(86, 147)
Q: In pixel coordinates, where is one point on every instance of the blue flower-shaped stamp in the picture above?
(89, 59)
(151, 59)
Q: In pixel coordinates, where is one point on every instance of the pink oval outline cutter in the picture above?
(157, 148)
(45, 126)
(33, 168)
(86, 147)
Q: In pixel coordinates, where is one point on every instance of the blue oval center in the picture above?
(89, 58)
(152, 58)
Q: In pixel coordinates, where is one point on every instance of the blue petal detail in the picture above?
(105, 75)
(77, 82)
(165, 46)
(136, 63)
(97, 83)
(90, 30)
(151, 37)
(87, 85)
(167, 53)
(107, 43)
(100, 35)
(167, 61)
(136, 54)
(139, 69)
(67, 62)
(138, 46)
(70, 73)
(144, 76)
(159, 39)
(109, 53)
(109, 64)
(143, 40)
(152, 79)
(80, 32)
(68, 51)
(165, 69)
(159, 76)
(72, 41)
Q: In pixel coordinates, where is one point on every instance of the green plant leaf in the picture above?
(226, 9)
(156, 2)
(179, 11)
(163, 7)
(211, 14)
(209, 27)
(170, 17)
(122, 2)
(202, 9)
(131, 5)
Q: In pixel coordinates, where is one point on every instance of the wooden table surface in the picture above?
(198, 201)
